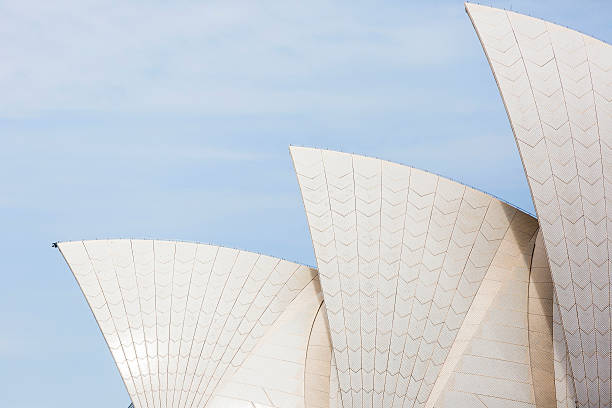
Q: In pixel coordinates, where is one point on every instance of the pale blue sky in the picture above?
(173, 119)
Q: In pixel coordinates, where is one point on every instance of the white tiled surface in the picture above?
(502, 355)
(541, 326)
(318, 363)
(176, 315)
(401, 254)
(557, 87)
(274, 373)
(564, 382)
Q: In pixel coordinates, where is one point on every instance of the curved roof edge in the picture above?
(426, 171)
(56, 243)
(537, 18)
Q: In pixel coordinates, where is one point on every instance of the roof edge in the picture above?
(427, 171)
(58, 243)
(469, 3)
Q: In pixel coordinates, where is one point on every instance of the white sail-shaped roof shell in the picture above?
(179, 317)
(401, 254)
(556, 84)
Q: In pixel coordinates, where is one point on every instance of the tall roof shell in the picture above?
(177, 316)
(401, 254)
(556, 85)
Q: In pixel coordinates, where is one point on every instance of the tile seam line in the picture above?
(436, 285)
(399, 264)
(195, 257)
(380, 229)
(435, 193)
(361, 351)
(143, 326)
(350, 381)
(129, 327)
(210, 324)
(195, 329)
(170, 320)
(227, 318)
(156, 325)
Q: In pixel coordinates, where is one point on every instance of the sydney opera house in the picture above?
(426, 293)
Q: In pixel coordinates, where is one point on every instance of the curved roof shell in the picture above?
(179, 317)
(401, 254)
(556, 84)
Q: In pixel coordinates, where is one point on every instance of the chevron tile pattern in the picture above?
(557, 87)
(401, 254)
(564, 381)
(177, 316)
(502, 355)
(274, 374)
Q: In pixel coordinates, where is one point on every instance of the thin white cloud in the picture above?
(214, 57)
